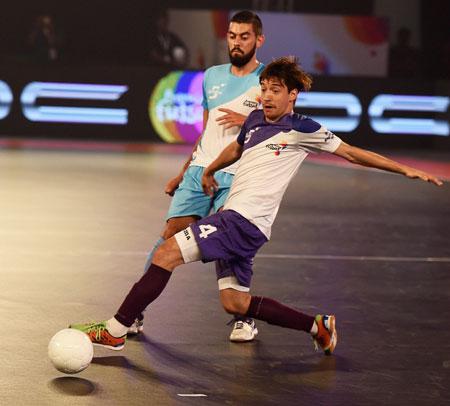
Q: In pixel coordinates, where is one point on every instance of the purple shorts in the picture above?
(232, 239)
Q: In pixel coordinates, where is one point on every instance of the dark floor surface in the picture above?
(373, 248)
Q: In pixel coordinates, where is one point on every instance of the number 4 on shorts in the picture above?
(206, 229)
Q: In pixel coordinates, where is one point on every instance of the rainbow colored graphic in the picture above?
(175, 107)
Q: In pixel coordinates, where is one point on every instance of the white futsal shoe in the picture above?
(243, 331)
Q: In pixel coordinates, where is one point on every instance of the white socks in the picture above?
(115, 328)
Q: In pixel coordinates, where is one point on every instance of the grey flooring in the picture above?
(371, 247)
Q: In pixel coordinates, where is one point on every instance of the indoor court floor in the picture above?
(372, 248)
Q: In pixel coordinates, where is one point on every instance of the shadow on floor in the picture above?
(73, 386)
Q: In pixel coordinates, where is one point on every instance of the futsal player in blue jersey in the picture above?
(230, 92)
(271, 146)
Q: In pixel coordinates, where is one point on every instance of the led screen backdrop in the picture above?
(152, 105)
(329, 45)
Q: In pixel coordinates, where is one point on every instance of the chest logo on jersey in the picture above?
(277, 147)
(215, 91)
(251, 104)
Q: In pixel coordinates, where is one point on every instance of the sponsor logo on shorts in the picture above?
(277, 147)
(187, 234)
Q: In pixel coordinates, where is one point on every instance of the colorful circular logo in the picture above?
(175, 107)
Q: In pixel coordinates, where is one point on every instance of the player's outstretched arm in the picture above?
(230, 118)
(371, 159)
(227, 157)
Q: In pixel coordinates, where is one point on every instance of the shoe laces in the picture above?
(97, 328)
(239, 325)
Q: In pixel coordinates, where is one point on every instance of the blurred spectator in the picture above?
(44, 41)
(404, 59)
(166, 48)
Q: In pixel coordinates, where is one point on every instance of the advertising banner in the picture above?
(152, 105)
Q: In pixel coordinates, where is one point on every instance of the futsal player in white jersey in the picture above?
(271, 146)
(230, 93)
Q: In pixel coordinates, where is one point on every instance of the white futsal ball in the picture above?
(70, 351)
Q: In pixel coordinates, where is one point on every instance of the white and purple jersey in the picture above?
(272, 154)
(223, 89)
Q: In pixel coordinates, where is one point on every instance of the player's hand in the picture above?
(416, 174)
(172, 185)
(209, 183)
(230, 119)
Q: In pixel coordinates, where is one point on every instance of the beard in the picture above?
(241, 60)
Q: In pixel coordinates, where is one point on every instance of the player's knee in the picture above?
(177, 224)
(161, 254)
(168, 255)
(170, 230)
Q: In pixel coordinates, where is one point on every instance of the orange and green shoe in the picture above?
(99, 335)
(326, 337)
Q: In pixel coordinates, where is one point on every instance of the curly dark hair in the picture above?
(288, 70)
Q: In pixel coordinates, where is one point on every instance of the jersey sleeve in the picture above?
(320, 140)
(312, 136)
(205, 97)
(250, 122)
(241, 137)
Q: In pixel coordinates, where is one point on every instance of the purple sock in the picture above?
(145, 291)
(273, 312)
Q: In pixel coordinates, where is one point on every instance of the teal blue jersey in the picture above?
(222, 89)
